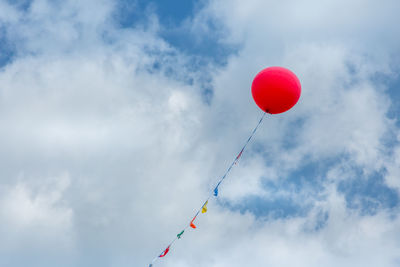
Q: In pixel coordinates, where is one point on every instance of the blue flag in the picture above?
(216, 189)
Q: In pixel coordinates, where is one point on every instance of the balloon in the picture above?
(276, 90)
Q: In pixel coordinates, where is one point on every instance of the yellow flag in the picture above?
(204, 209)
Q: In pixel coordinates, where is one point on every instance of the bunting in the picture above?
(165, 252)
(192, 224)
(204, 208)
(215, 192)
(216, 189)
(238, 156)
(180, 234)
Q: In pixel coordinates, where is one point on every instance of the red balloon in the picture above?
(276, 89)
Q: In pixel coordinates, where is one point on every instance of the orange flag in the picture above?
(192, 224)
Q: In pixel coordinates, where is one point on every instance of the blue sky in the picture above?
(118, 118)
(172, 13)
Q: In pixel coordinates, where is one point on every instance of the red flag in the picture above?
(238, 156)
(192, 224)
(165, 252)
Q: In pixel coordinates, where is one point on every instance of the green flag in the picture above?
(181, 233)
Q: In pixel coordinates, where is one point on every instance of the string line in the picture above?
(215, 191)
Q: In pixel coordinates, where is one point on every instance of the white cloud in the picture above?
(347, 239)
(23, 209)
(36, 218)
(393, 168)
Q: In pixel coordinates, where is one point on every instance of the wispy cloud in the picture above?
(111, 136)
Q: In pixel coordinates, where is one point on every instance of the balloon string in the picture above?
(242, 150)
(218, 184)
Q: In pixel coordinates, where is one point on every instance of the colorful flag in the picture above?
(204, 208)
(192, 224)
(238, 156)
(180, 234)
(165, 252)
(216, 189)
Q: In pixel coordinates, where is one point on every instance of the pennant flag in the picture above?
(165, 252)
(192, 224)
(180, 234)
(216, 189)
(204, 208)
(238, 156)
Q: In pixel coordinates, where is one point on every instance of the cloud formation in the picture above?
(110, 140)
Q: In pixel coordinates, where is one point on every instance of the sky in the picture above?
(117, 119)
